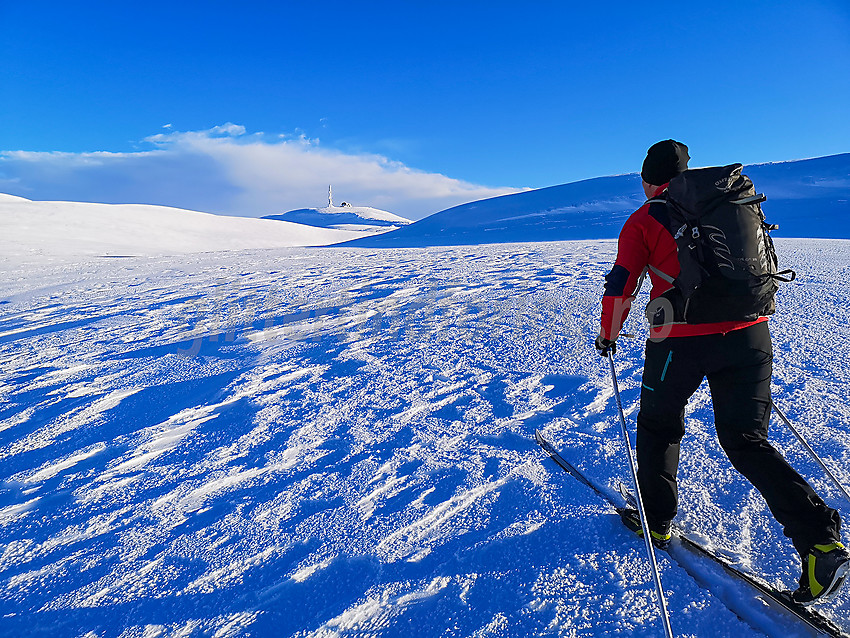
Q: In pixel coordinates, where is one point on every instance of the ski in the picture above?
(779, 600)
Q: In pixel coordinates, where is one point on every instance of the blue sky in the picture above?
(411, 105)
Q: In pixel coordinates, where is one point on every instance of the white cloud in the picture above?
(227, 170)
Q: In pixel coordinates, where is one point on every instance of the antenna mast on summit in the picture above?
(330, 196)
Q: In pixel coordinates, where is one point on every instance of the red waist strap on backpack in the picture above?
(697, 329)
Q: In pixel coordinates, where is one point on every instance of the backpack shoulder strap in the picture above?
(663, 275)
(660, 199)
(758, 198)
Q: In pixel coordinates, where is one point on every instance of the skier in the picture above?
(736, 357)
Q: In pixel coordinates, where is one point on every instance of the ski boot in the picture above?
(661, 535)
(825, 568)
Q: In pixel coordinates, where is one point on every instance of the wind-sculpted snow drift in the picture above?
(339, 442)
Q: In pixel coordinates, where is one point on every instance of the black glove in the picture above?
(604, 346)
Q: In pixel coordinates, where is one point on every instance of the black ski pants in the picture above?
(738, 366)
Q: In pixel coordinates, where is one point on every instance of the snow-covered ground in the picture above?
(339, 442)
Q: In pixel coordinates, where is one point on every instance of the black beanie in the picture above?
(664, 160)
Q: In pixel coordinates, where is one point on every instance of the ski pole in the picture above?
(809, 449)
(647, 536)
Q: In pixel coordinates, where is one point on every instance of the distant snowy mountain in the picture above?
(31, 229)
(344, 218)
(807, 198)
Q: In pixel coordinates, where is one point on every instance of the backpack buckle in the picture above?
(695, 232)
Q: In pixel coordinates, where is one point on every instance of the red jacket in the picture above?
(646, 245)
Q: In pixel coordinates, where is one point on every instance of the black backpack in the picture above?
(727, 259)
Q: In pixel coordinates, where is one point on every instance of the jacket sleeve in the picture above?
(621, 284)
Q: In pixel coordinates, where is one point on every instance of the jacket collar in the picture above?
(660, 190)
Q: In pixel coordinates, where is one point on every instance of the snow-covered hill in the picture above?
(314, 442)
(345, 218)
(807, 198)
(31, 230)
